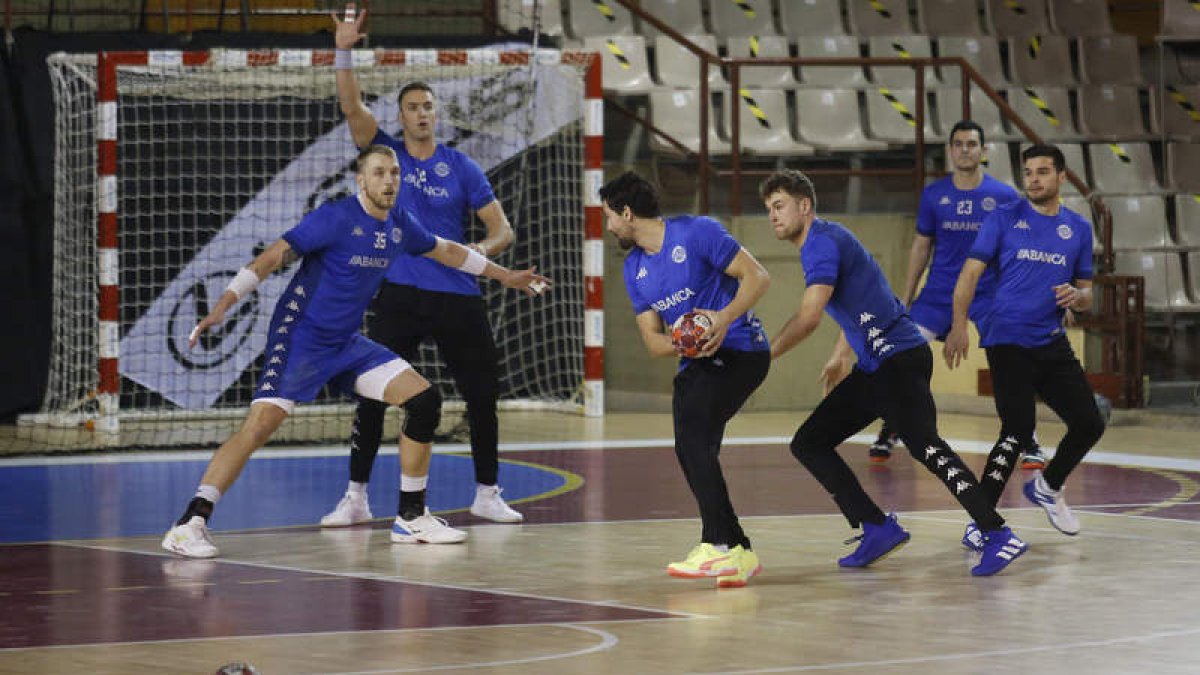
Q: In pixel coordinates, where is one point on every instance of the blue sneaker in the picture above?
(972, 538)
(1000, 548)
(875, 542)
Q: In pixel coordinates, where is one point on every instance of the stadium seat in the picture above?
(742, 18)
(516, 15)
(948, 17)
(891, 116)
(1110, 112)
(902, 46)
(1080, 17)
(625, 69)
(811, 19)
(948, 104)
(1193, 260)
(1079, 204)
(685, 17)
(781, 77)
(677, 114)
(878, 17)
(1187, 222)
(1109, 59)
(997, 162)
(1183, 168)
(680, 68)
(828, 119)
(1016, 18)
(597, 18)
(1165, 285)
(1139, 222)
(1040, 60)
(766, 127)
(830, 76)
(1047, 110)
(1123, 168)
(1073, 155)
(1179, 19)
(1176, 110)
(983, 53)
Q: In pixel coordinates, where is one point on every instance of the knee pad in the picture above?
(424, 413)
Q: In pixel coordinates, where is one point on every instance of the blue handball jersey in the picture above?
(689, 273)
(441, 193)
(952, 217)
(863, 304)
(1032, 253)
(346, 253)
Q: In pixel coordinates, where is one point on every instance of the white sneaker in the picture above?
(353, 509)
(489, 504)
(1038, 492)
(190, 539)
(425, 529)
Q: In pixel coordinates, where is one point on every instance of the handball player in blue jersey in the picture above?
(950, 212)
(422, 300)
(890, 380)
(1041, 252)
(678, 265)
(347, 246)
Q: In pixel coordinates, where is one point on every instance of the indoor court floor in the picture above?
(581, 586)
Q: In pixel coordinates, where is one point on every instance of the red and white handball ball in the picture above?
(687, 333)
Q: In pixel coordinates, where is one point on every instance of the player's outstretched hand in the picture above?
(715, 335)
(214, 318)
(347, 31)
(528, 280)
(955, 350)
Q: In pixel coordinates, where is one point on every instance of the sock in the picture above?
(199, 506)
(209, 492)
(360, 488)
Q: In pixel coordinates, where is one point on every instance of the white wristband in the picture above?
(343, 59)
(475, 263)
(245, 281)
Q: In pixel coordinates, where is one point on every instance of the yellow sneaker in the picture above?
(705, 560)
(747, 567)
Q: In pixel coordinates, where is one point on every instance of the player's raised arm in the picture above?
(248, 278)
(347, 32)
(453, 254)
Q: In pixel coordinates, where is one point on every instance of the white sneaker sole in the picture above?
(169, 545)
(414, 539)
(515, 517)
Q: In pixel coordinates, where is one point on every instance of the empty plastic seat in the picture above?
(1183, 168)
(742, 18)
(878, 17)
(891, 116)
(948, 104)
(757, 47)
(811, 19)
(1193, 260)
(1047, 110)
(1110, 112)
(591, 18)
(1179, 19)
(1165, 284)
(684, 16)
(680, 68)
(997, 162)
(1139, 222)
(1175, 109)
(766, 127)
(1109, 59)
(624, 66)
(1079, 204)
(830, 76)
(1016, 18)
(1187, 222)
(677, 114)
(1040, 60)
(900, 46)
(948, 17)
(982, 52)
(1080, 17)
(518, 15)
(828, 119)
(1123, 168)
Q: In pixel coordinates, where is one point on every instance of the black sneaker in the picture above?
(881, 450)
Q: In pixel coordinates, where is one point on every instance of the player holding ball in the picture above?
(684, 272)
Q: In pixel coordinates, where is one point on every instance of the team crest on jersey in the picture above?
(397, 235)
(441, 169)
(1064, 231)
(679, 254)
(641, 273)
(988, 204)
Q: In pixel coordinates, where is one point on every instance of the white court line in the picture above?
(959, 445)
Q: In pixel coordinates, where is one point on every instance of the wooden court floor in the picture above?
(581, 587)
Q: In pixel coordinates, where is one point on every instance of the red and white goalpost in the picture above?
(172, 169)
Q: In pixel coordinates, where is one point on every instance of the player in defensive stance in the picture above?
(690, 263)
(1042, 252)
(891, 379)
(347, 246)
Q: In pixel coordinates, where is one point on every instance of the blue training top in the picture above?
(863, 304)
(1032, 253)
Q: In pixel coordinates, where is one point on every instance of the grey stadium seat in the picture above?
(1047, 110)
(900, 46)
(1109, 59)
(1187, 222)
(828, 119)
(766, 46)
(680, 68)
(591, 18)
(1179, 106)
(742, 18)
(624, 66)
(766, 127)
(830, 76)
(676, 113)
(878, 17)
(685, 17)
(948, 17)
(982, 52)
(1139, 222)
(1110, 112)
(1040, 60)
(811, 19)
(1080, 17)
(1183, 168)
(891, 116)
(1179, 19)
(948, 103)
(1009, 18)
(1123, 168)
(1165, 284)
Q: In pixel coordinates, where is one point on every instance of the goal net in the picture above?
(174, 169)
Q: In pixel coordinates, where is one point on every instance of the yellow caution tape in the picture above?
(898, 106)
(754, 108)
(619, 55)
